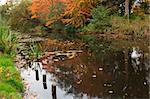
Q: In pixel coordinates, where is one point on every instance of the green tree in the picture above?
(100, 21)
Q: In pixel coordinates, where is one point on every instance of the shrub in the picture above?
(35, 51)
(7, 39)
(5, 10)
(20, 17)
(100, 21)
(145, 7)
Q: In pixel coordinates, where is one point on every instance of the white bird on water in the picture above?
(135, 56)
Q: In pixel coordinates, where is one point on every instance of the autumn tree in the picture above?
(40, 8)
(73, 12)
(43, 10)
(77, 11)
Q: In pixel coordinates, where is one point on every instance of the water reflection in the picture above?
(114, 76)
(44, 85)
(54, 95)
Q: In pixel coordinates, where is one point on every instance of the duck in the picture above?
(135, 56)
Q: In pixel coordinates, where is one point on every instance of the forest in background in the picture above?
(120, 17)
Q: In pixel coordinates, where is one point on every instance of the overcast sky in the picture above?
(2, 1)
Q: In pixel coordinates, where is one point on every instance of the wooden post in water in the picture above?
(44, 76)
(37, 74)
(54, 96)
(36, 71)
(44, 79)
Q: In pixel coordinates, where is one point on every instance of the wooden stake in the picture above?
(37, 74)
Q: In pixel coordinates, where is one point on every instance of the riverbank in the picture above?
(11, 86)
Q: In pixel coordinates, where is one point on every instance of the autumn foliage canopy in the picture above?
(72, 12)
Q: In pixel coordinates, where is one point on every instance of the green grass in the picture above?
(11, 85)
(4, 87)
(136, 26)
(5, 61)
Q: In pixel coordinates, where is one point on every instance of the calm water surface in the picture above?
(112, 76)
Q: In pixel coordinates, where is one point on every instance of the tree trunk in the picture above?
(127, 7)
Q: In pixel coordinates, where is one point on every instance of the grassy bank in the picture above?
(11, 85)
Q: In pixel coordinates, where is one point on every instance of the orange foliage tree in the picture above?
(77, 11)
(43, 9)
(40, 8)
(74, 12)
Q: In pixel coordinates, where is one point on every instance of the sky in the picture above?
(2, 1)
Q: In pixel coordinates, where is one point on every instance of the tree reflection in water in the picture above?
(116, 78)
